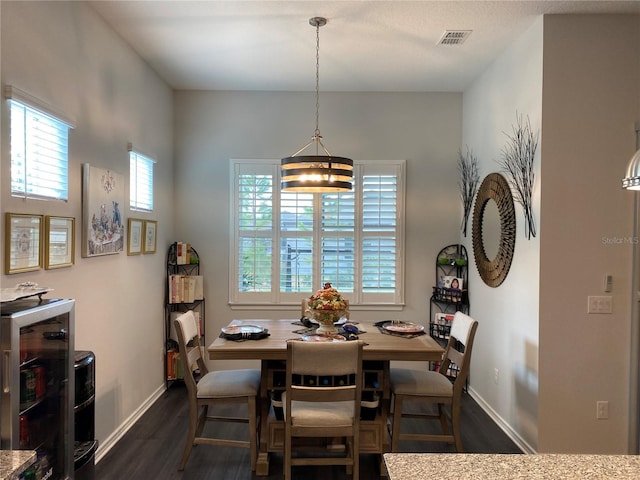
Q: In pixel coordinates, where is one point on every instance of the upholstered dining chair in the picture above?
(435, 387)
(214, 388)
(322, 400)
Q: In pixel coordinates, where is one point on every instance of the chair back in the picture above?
(190, 349)
(459, 347)
(324, 372)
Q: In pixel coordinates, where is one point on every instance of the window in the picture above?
(39, 149)
(140, 181)
(287, 244)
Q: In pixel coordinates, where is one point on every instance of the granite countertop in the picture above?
(14, 462)
(459, 466)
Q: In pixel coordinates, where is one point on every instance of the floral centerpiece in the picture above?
(327, 306)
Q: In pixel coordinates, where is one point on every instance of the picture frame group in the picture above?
(36, 241)
(142, 236)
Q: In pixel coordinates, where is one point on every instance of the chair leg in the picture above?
(355, 452)
(202, 420)
(397, 416)
(443, 419)
(191, 434)
(287, 455)
(455, 422)
(253, 432)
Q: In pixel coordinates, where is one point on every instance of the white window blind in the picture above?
(379, 222)
(140, 181)
(39, 151)
(287, 245)
(254, 220)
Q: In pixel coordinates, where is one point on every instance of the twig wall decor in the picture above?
(469, 179)
(517, 164)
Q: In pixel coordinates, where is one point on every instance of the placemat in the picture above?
(382, 323)
(311, 330)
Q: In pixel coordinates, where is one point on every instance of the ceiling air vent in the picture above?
(454, 37)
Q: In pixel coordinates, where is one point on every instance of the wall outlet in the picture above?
(602, 409)
(496, 375)
(600, 304)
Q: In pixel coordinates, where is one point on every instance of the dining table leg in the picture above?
(262, 463)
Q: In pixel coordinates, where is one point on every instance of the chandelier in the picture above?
(320, 172)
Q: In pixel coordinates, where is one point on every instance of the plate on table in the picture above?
(236, 329)
(404, 327)
(323, 338)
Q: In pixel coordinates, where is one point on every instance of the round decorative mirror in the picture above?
(489, 229)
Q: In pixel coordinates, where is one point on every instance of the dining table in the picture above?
(381, 347)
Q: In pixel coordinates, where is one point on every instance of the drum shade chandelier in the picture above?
(316, 173)
(631, 180)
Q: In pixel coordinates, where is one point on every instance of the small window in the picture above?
(39, 153)
(141, 182)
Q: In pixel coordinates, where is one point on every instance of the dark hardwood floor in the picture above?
(152, 448)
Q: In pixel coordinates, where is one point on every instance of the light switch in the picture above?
(600, 304)
(608, 282)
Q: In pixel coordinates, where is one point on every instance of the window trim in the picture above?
(13, 93)
(274, 299)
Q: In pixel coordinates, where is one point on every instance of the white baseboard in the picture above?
(112, 439)
(504, 426)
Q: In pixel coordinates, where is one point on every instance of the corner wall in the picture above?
(507, 336)
(591, 102)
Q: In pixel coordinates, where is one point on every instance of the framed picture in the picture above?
(59, 242)
(23, 243)
(452, 283)
(102, 195)
(150, 236)
(134, 236)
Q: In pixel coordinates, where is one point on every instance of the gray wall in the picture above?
(507, 337)
(591, 100)
(64, 54)
(555, 360)
(212, 127)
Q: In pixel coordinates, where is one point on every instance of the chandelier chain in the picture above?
(317, 132)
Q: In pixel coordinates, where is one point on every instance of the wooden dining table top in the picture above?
(378, 345)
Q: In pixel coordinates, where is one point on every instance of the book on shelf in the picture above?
(198, 287)
(183, 253)
(175, 369)
(171, 369)
(185, 288)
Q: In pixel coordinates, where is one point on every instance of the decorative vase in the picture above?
(326, 319)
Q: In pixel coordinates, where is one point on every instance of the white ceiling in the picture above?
(365, 46)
